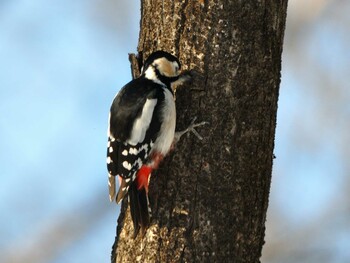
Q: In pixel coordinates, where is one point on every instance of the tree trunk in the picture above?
(209, 197)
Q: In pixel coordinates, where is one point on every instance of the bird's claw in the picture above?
(193, 125)
(191, 128)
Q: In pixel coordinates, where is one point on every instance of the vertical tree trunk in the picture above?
(211, 196)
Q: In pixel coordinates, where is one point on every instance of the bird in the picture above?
(141, 132)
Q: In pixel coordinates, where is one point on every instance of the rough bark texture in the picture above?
(210, 197)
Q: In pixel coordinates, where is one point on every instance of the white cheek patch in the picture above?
(151, 74)
(142, 123)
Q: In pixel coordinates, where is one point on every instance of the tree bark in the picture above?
(209, 198)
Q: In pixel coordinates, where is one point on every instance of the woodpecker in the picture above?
(141, 132)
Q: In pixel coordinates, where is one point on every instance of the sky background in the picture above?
(61, 63)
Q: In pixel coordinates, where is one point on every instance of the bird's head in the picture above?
(162, 67)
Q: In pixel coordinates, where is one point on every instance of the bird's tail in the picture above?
(139, 208)
(139, 202)
(111, 187)
(124, 184)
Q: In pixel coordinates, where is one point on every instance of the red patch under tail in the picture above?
(142, 177)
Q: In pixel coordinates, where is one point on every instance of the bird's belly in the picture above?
(167, 129)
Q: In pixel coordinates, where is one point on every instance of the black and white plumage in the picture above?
(141, 132)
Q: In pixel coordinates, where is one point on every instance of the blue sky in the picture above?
(61, 67)
(62, 63)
